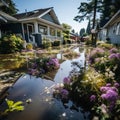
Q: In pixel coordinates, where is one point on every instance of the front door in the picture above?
(30, 31)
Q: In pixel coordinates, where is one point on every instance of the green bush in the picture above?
(46, 43)
(29, 46)
(10, 44)
(56, 43)
(88, 41)
(69, 41)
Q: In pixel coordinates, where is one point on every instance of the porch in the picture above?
(36, 32)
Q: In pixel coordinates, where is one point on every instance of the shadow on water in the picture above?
(43, 105)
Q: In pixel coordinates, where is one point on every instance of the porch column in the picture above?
(36, 27)
(23, 32)
(55, 32)
(61, 35)
(48, 30)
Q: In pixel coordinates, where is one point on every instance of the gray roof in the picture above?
(31, 14)
(114, 18)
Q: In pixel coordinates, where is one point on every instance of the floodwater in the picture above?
(44, 106)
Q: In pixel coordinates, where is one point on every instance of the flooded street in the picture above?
(44, 106)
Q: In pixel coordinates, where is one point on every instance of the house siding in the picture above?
(49, 18)
(114, 38)
(112, 29)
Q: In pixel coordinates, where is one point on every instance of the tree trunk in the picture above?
(94, 18)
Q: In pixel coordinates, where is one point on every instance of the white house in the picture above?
(36, 25)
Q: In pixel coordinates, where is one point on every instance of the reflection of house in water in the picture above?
(111, 30)
(36, 25)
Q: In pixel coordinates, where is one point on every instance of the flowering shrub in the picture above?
(95, 53)
(43, 65)
(10, 44)
(97, 88)
(107, 99)
(108, 63)
(29, 46)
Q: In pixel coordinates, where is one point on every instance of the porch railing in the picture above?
(51, 38)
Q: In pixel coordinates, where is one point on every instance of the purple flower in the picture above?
(104, 89)
(66, 80)
(111, 95)
(64, 93)
(113, 55)
(54, 61)
(113, 50)
(114, 89)
(116, 84)
(108, 84)
(118, 55)
(103, 96)
(92, 98)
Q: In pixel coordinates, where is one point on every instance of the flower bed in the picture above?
(97, 88)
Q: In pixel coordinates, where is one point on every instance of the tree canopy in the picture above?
(11, 9)
(66, 31)
(106, 8)
(82, 31)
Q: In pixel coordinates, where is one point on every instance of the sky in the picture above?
(65, 10)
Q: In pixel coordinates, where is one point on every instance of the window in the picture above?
(118, 29)
(114, 28)
(58, 33)
(52, 31)
(42, 30)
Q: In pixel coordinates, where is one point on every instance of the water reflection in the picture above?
(43, 105)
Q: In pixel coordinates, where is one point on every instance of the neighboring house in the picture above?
(74, 37)
(4, 18)
(111, 30)
(35, 26)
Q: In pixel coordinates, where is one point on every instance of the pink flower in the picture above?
(92, 98)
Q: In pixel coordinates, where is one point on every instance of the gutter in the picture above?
(41, 20)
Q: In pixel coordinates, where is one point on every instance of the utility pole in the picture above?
(93, 27)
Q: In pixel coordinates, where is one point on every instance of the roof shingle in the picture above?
(31, 14)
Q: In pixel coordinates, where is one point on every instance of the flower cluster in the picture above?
(66, 80)
(110, 94)
(60, 91)
(53, 62)
(95, 53)
(43, 65)
(114, 56)
(113, 50)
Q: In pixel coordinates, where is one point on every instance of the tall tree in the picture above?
(82, 31)
(86, 9)
(88, 29)
(109, 9)
(73, 31)
(66, 31)
(11, 9)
